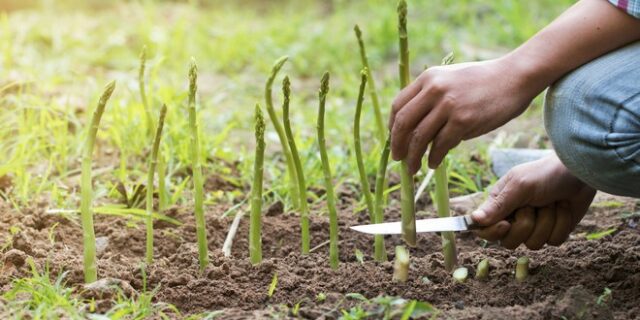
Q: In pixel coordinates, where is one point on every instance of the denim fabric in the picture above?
(592, 116)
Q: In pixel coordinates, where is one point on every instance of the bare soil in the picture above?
(565, 281)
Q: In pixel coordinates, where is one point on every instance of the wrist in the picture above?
(529, 72)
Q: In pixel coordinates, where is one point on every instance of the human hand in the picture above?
(448, 104)
(546, 200)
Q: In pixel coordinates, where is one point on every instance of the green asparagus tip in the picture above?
(402, 17)
(448, 59)
(278, 64)
(356, 28)
(324, 84)
(260, 125)
(108, 90)
(193, 72)
(143, 54)
(363, 74)
(286, 87)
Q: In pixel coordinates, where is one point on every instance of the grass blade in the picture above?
(153, 162)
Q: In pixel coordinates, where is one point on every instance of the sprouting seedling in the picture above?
(153, 162)
(273, 116)
(143, 94)
(88, 233)
(255, 226)
(522, 269)
(401, 265)
(372, 86)
(198, 183)
(442, 203)
(380, 253)
(483, 269)
(326, 169)
(302, 187)
(406, 180)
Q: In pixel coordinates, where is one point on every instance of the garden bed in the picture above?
(567, 281)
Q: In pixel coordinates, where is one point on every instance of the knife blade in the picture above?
(457, 223)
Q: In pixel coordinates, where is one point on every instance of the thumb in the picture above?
(505, 197)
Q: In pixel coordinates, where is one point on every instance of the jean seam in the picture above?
(611, 124)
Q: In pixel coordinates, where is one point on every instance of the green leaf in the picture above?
(273, 285)
(356, 296)
(601, 234)
(408, 310)
(359, 256)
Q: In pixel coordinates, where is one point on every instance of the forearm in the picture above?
(584, 32)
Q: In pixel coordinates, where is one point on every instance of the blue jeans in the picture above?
(592, 116)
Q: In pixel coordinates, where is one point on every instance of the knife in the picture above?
(457, 223)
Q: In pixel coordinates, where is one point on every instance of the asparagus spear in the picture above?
(286, 150)
(372, 86)
(153, 162)
(86, 214)
(326, 169)
(255, 240)
(302, 187)
(198, 183)
(406, 180)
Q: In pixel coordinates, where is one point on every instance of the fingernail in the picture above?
(479, 215)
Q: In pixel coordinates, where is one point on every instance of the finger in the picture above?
(545, 220)
(505, 197)
(422, 137)
(494, 232)
(446, 139)
(520, 229)
(563, 226)
(406, 121)
(580, 204)
(405, 95)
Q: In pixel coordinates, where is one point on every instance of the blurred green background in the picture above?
(56, 56)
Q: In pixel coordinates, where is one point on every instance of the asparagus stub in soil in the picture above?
(328, 180)
(406, 179)
(86, 192)
(483, 269)
(380, 127)
(196, 166)
(302, 187)
(460, 275)
(255, 227)
(522, 269)
(401, 264)
(286, 149)
(153, 162)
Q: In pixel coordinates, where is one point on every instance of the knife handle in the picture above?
(471, 225)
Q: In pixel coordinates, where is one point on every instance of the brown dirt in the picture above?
(565, 281)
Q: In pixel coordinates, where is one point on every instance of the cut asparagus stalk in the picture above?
(401, 265)
(460, 275)
(483, 270)
(522, 269)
